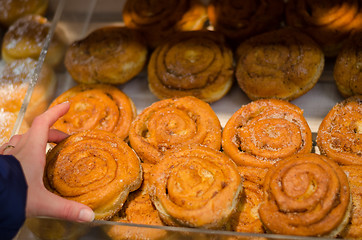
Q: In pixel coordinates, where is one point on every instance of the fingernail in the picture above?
(86, 215)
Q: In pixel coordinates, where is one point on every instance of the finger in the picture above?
(58, 207)
(56, 136)
(42, 123)
(9, 146)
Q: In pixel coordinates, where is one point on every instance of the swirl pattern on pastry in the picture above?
(283, 64)
(96, 106)
(11, 10)
(265, 131)
(347, 68)
(354, 175)
(95, 168)
(328, 22)
(111, 54)
(160, 19)
(26, 38)
(196, 186)
(306, 195)
(239, 20)
(196, 63)
(340, 133)
(171, 123)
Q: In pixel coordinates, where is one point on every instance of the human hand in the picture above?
(30, 149)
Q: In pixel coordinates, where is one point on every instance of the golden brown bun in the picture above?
(26, 38)
(96, 106)
(7, 123)
(283, 64)
(347, 68)
(172, 123)
(354, 228)
(158, 20)
(306, 195)
(339, 134)
(111, 54)
(15, 79)
(95, 168)
(196, 186)
(12, 10)
(196, 63)
(239, 20)
(328, 22)
(265, 131)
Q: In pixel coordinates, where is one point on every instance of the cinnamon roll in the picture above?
(329, 22)
(306, 195)
(266, 131)
(11, 10)
(196, 186)
(346, 72)
(171, 123)
(110, 54)
(239, 20)
(339, 134)
(138, 209)
(197, 63)
(26, 38)
(354, 228)
(95, 168)
(16, 77)
(160, 19)
(96, 106)
(283, 64)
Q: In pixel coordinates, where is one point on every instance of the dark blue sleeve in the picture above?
(13, 192)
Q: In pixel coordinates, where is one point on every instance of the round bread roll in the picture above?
(26, 37)
(111, 54)
(306, 195)
(283, 64)
(339, 134)
(239, 20)
(7, 123)
(195, 63)
(96, 106)
(11, 10)
(15, 79)
(328, 22)
(95, 168)
(158, 20)
(347, 68)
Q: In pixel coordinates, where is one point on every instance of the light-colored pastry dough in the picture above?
(171, 123)
(283, 64)
(111, 54)
(7, 123)
(95, 168)
(196, 63)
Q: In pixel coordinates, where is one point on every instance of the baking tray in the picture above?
(80, 17)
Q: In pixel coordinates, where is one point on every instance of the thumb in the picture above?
(58, 207)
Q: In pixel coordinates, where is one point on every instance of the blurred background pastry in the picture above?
(26, 38)
(96, 106)
(339, 134)
(265, 131)
(347, 68)
(172, 123)
(328, 22)
(239, 20)
(111, 54)
(7, 123)
(160, 19)
(283, 64)
(15, 79)
(196, 63)
(306, 195)
(11, 10)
